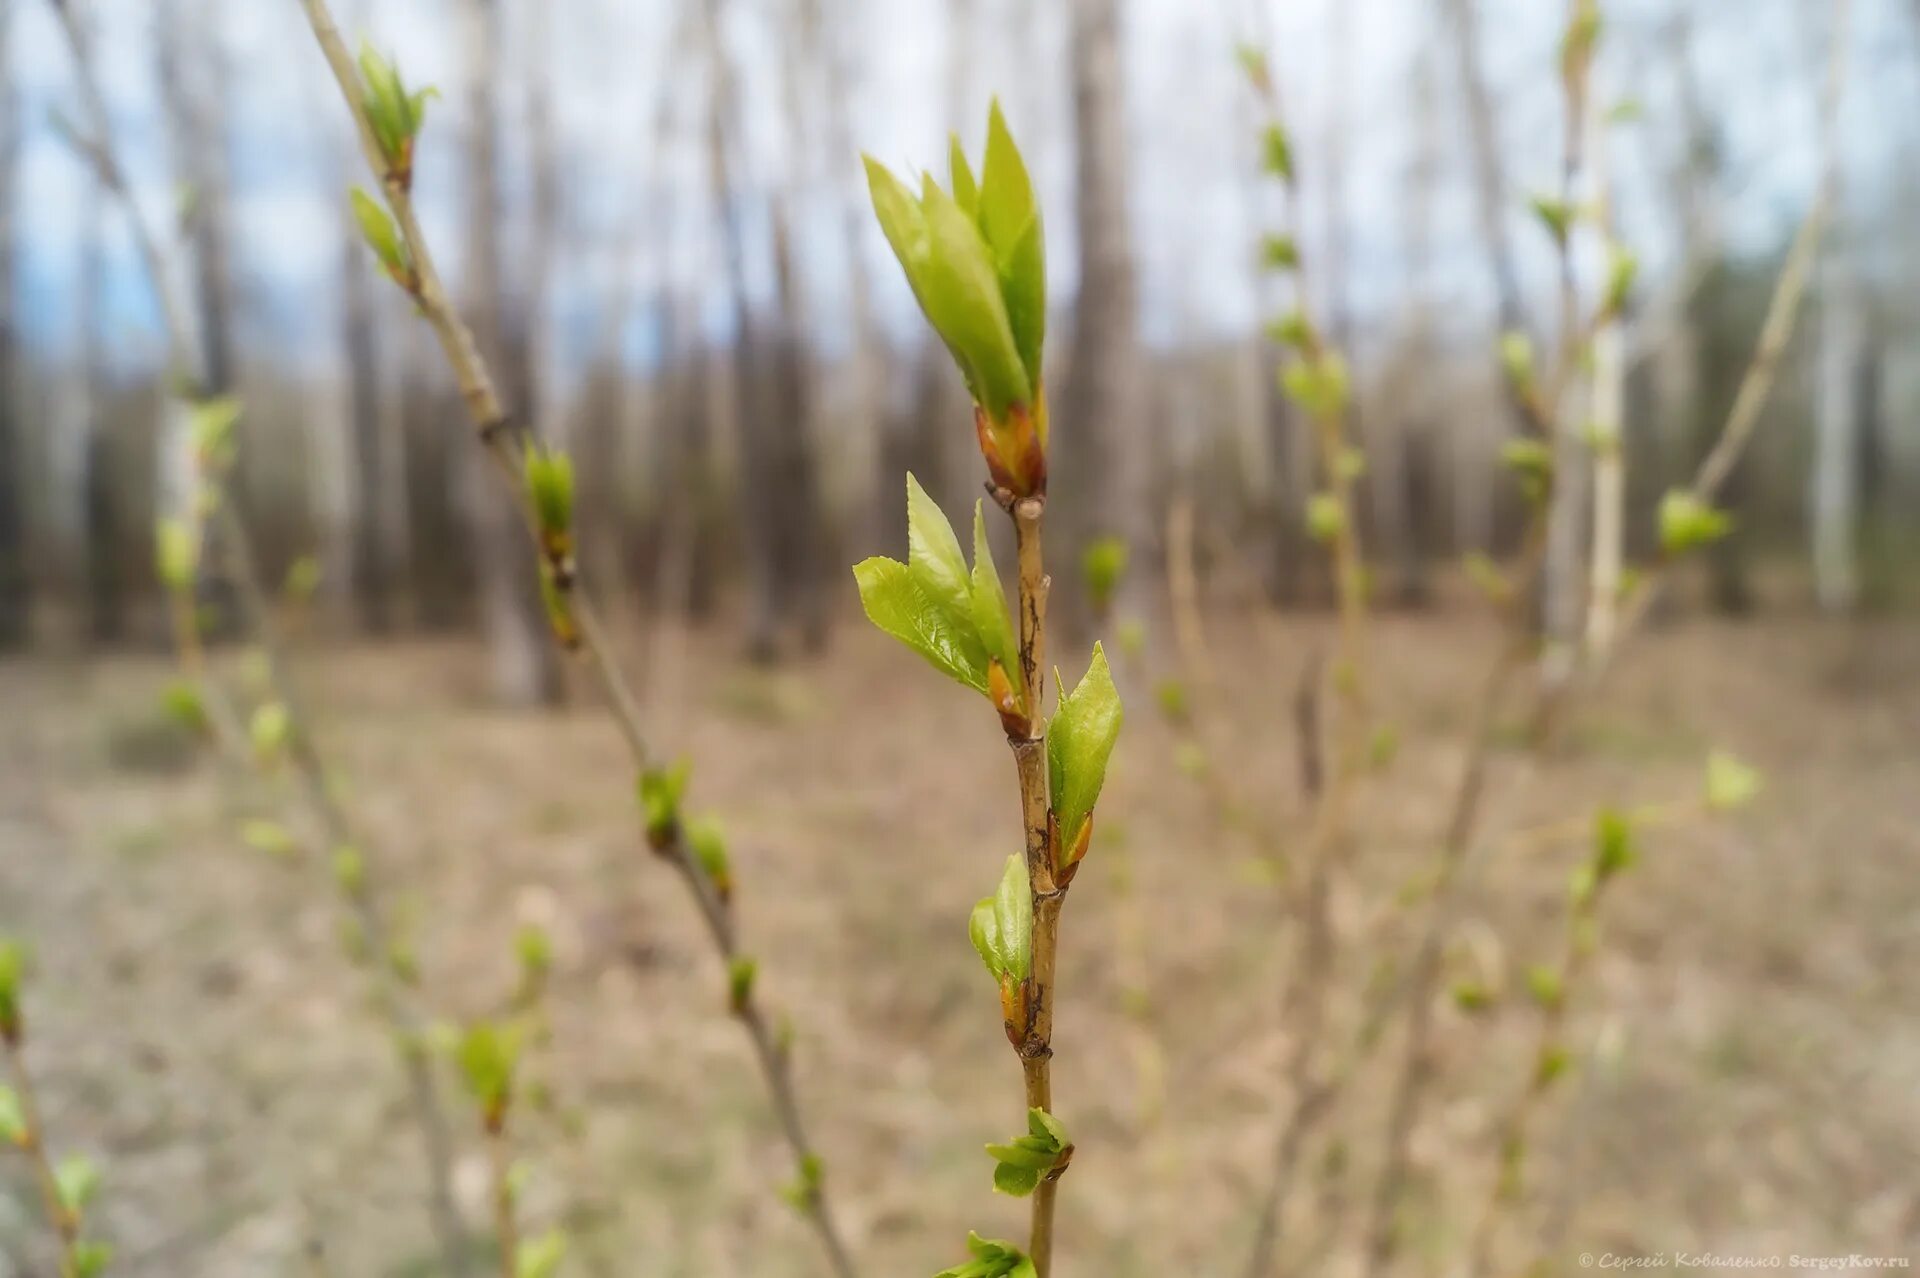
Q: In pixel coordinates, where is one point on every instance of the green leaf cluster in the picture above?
(1687, 522)
(1026, 1160)
(1079, 742)
(1531, 462)
(270, 728)
(488, 1056)
(975, 257)
(1319, 385)
(394, 113)
(992, 1259)
(660, 791)
(210, 427)
(954, 616)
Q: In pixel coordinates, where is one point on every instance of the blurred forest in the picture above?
(655, 214)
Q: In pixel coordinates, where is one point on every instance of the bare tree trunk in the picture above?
(1835, 482)
(16, 597)
(1474, 500)
(1099, 434)
(1400, 467)
(524, 670)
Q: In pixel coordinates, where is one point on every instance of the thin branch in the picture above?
(494, 428)
(187, 359)
(33, 1143)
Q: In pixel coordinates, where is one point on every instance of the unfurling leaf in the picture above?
(1326, 516)
(1531, 461)
(1730, 783)
(708, 843)
(1545, 985)
(1295, 331)
(802, 1193)
(1102, 566)
(1472, 997)
(77, 1180)
(349, 869)
(1276, 152)
(533, 951)
(992, 622)
(1001, 925)
(660, 791)
(991, 1259)
(1687, 522)
(270, 729)
(1622, 269)
(1175, 702)
(1318, 385)
(302, 579)
(741, 973)
(549, 474)
(13, 971)
(1079, 742)
(955, 617)
(381, 235)
(90, 1257)
(268, 837)
(1027, 1160)
(181, 702)
(394, 113)
(1253, 64)
(1613, 844)
(540, 1257)
(13, 1119)
(1554, 214)
(210, 425)
(488, 1056)
(1279, 252)
(175, 554)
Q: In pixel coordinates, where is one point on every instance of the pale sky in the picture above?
(1193, 125)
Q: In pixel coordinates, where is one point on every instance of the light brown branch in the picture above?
(186, 359)
(33, 1143)
(493, 425)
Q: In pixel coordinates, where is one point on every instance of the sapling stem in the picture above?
(1418, 1067)
(576, 620)
(187, 367)
(975, 258)
(1318, 384)
(33, 1143)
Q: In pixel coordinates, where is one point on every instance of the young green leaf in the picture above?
(1279, 252)
(802, 1193)
(1545, 985)
(488, 1056)
(210, 425)
(270, 729)
(1079, 742)
(174, 554)
(349, 869)
(540, 1257)
(269, 838)
(1613, 844)
(741, 973)
(90, 1257)
(966, 190)
(1516, 357)
(1276, 152)
(1730, 783)
(1687, 522)
(897, 604)
(660, 791)
(549, 474)
(1026, 1160)
(378, 230)
(987, 599)
(708, 843)
(991, 1259)
(533, 951)
(1001, 925)
(1554, 214)
(1326, 516)
(77, 1180)
(13, 1118)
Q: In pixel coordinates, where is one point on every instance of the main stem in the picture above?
(500, 1166)
(1029, 756)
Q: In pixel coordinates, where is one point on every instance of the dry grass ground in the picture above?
(198, 1030)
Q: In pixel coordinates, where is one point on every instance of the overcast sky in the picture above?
(1191, 121)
